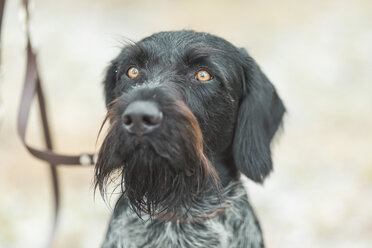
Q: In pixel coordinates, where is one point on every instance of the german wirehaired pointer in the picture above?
(188, 113)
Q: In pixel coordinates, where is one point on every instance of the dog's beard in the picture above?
(160, 174)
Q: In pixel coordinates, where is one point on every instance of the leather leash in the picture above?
(32, 88)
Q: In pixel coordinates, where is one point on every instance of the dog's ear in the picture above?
(110, 82)
(260, 114)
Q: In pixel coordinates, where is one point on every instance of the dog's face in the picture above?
(176, 101)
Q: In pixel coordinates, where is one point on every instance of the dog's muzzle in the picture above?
(141, 117)
(156, 144)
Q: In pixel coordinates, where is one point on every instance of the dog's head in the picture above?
(177, 102)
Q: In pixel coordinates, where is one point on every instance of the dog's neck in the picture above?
(204, 207)
(213, 204)
(190, 219)
(225, 167)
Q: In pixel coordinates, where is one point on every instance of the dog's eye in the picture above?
(132, 72)
(203, 76)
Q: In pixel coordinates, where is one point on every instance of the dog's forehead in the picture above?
(178, 44)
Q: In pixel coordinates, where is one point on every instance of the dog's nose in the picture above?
(142, 117)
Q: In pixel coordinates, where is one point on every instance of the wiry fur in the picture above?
(180, 182)
(236, 228)
(186, 169)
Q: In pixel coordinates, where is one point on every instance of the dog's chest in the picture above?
(130, 233)
(237, 227)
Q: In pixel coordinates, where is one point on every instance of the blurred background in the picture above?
(317, 53)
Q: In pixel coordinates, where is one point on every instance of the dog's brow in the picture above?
(136, 52)
(199, 54)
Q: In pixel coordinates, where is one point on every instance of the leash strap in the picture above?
(32, 88)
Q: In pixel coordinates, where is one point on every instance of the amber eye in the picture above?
(132, 72)
(203, 76)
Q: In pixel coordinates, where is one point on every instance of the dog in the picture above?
(189, 113)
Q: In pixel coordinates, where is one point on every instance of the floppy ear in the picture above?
(110, 82)
(260, 114)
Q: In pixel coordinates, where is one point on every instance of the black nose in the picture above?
(142, 117)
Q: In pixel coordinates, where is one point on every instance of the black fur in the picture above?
(260, 114)
(210, 130)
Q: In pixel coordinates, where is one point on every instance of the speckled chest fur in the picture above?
(237, 227)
